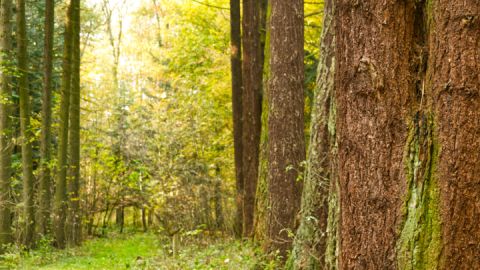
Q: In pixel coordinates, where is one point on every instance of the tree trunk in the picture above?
(217, 200)
(261, 198)
(373, 79)
(26, 130)
(120, 216)
(236, 70)
(74, 214)
(286, 142)
(252, 68)
(61, 185)
(45, 181)
(310, 245)
(5, 124)
(144, 219)
(453, 81)
(150, 219)
(407, 125)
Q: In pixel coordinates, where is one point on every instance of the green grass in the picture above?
(142, 251)
(119, 252)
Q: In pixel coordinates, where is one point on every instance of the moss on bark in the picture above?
(319, 200)
(419, 244)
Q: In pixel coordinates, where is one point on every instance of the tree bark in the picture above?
(74, 216)
(252, 68)
(286, 141)
(310, 245)
(26, 129)
(45, 181)
(236, 70)
(261, 197)
(453, 76)
(60, 204)
(5, 123)
(373, 79)
(408, 110)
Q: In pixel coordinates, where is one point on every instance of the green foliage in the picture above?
(165, 125)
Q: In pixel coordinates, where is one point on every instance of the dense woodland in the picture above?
(279, 134)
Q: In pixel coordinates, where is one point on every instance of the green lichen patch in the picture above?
(419, 243)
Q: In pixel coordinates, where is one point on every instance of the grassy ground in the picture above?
(140, 251)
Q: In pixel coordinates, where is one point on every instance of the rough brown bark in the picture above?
(408, 110)
(454, 71)
(45, 181)
(310, 245)
(5, 123)
(373, 45)
(236, 70)
(252, 68)
(26, 129)
(286, 142)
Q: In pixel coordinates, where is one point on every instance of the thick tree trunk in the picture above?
(60, 204)
(252, 106)
(408, 110)
(26, 130)
(373, 91)
(45, 181)
(286, 142)
(236, 70)
(453, 80)
(74, 214)
(310, 245)
(5, 123)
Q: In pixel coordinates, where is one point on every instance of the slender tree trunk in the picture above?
(144, 219)
(26, 129)
(61, 185)
(217, 200)
(252, 68)
(119, 215)
(261, 197)
(105, 219)
(310, 245)
(74, 214)
(151, 212)
(236, 70)
(5, 123)
(93, 208)
(45, 181)
(286, 141)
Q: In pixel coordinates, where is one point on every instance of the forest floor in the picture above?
(141, 251)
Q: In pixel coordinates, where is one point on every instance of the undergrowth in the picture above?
(142, 251)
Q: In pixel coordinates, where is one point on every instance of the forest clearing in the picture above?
(239, 134)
